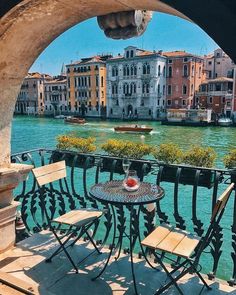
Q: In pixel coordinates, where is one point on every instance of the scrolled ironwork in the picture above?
(84, 170)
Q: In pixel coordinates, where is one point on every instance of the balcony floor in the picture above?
(26, 262)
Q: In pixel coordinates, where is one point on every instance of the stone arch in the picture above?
(27, 27)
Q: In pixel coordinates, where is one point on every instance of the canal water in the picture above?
(32, 133)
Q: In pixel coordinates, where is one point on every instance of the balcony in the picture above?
(228, 94)
(187, 205)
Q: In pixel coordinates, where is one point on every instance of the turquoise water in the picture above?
(31, 133)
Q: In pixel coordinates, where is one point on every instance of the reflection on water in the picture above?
(29, 133)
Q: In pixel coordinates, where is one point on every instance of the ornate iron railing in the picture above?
(191, 193)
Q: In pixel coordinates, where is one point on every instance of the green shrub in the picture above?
(126, 149)
(230, 159)
(82, 145)
(200, 156)
(168, 153)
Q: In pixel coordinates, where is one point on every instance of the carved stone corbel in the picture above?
(125, 24)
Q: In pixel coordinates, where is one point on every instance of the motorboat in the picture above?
(74, 120)
(225, 122)
(133, 128)
(60, 117)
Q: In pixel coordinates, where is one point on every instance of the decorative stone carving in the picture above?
(125, 24)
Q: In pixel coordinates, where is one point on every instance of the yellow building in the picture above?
(86, 82)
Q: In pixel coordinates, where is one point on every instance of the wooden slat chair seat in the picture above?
(172, 240)
(78, 217)
(79, 220)
(185, 246)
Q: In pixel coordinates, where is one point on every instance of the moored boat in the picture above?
(133, 128)
(74, 120)
(225, 122)
(60, 117)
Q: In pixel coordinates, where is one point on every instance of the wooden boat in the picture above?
(133, 128)
(74, 120)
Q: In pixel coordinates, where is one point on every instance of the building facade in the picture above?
(136, 85)
(55, 96)
(217, 95)
(184, 74)
(86, 84)
(30, 99)
(218, 64)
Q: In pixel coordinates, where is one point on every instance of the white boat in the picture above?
(225, 122)
(59, 117)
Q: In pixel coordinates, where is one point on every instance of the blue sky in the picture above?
(165, 32)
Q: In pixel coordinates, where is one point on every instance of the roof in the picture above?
(88, 60)
(139, 53)
(218, 80)
(37, 75)
(56, 81)
(179, 53)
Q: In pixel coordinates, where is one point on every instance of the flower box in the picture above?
(137, 165)
(69, 158)
(187, 176)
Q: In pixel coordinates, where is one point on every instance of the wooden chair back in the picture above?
(217, 214)
(50, 173)
(221, 202)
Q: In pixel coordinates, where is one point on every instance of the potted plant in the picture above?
(230, 163)
(170, 154)
(119, 149)
(70, 147)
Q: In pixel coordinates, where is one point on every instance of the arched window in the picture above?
(191, 89)
(158, 89)
(200, 72)
(127, 54)
(144, 69)
(135, 70)
(102, 80)
(131, 53)
(128, 71)
(192, 70)
(125, 70)
(114, 71)
(170, 71)
(184, 89)
(164, 71)
(148, 69)
(159, 70)
(132, 70)
(185, 71)
(125, 88)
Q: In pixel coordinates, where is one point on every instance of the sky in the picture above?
(164, 32)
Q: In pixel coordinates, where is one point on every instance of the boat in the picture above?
(188, 117)
(133, 128)
(74, 120)
(60, 117)
(225, 122)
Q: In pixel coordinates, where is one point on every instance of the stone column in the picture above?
(9, 179)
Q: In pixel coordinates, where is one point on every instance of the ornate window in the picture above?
(114, 71)
(185, 71)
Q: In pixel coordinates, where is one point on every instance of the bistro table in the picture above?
(112, 193)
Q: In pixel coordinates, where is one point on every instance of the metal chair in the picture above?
(186, 247)
(77, 222)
